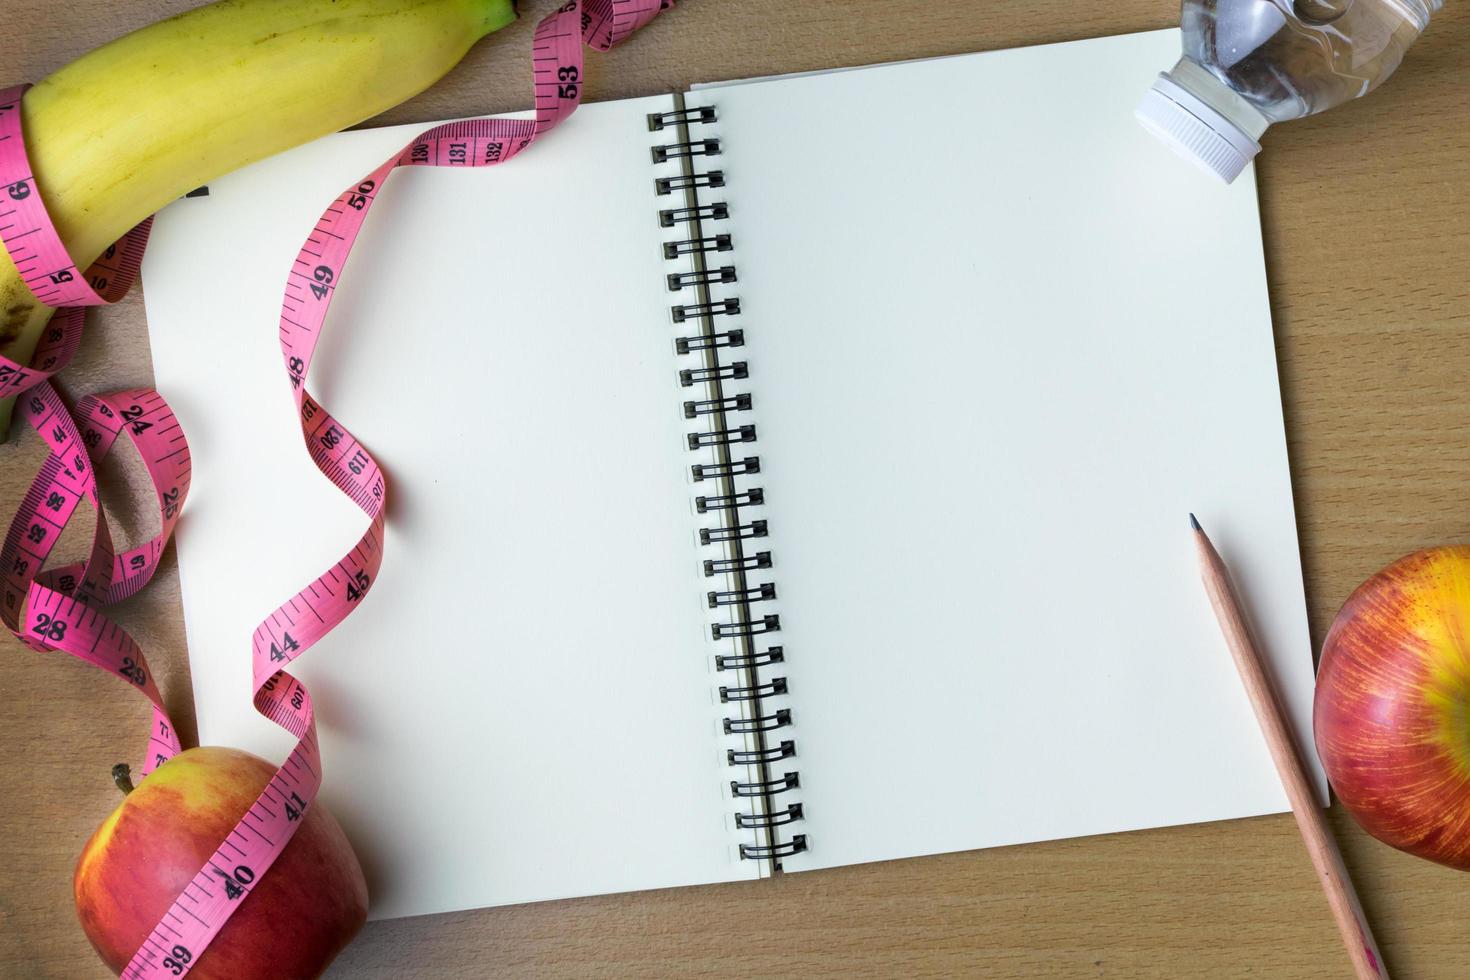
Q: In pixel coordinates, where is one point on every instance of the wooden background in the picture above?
(1368, 230)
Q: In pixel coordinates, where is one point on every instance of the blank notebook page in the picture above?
(1001, 344)
(522, 707)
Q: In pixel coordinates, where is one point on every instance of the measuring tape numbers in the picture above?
(61, 608)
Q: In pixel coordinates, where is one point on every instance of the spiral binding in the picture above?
(753, 497)
(709, 471)
(698, 246)
(738, 532)
(772, 655)
(734, 403)
(691, 148)
(721, 437)
(680, 280)
(718, 211)
(764, 762)
(730, 338)
(667, 185)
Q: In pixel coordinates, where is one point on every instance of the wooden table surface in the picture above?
(1367, 232)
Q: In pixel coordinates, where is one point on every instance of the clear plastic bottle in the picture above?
(1250, 63)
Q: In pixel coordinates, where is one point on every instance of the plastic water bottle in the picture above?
(1250, 63)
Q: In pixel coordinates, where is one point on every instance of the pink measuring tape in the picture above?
(59, 609)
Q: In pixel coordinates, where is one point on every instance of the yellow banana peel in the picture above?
(137, 123)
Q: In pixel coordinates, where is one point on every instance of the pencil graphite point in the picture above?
(1194, 523)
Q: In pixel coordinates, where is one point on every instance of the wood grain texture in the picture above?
(1367, 233)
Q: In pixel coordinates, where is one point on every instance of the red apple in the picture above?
(291, 923)
(1392, 710)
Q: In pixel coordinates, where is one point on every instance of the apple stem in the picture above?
(122, 774)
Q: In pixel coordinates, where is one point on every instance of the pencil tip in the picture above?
(1194, 523)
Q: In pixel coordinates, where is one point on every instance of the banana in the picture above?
(137, 123)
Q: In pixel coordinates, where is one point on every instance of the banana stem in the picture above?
(22, 318)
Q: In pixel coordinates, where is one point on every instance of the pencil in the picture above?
(1346, 909)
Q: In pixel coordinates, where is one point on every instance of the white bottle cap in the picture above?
(1195, 130)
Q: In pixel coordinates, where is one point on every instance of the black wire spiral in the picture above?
(725, 424)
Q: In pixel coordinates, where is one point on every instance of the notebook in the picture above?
(802, 482)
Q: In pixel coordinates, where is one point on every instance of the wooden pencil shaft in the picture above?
(1321, 847)
(1261, 691)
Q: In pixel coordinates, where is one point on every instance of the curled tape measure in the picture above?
(60, 609)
